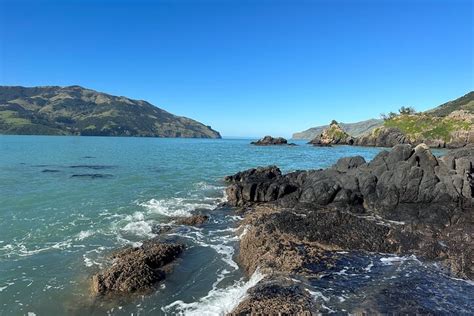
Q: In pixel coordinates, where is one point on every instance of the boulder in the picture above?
(136, 268)
(269, 141)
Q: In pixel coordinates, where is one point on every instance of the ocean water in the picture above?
(67, 202)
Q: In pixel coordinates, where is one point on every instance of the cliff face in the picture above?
(78, 111)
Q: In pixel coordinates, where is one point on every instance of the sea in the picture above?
(67, 202)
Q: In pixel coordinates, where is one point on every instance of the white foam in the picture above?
(174, 207)
(140, 228)
(393, 259)
(219, 301)
(84, 234)
(317, 294)
(369, 266)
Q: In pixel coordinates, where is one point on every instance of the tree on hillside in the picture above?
(333, 122)
(407, 110)
(388, 116)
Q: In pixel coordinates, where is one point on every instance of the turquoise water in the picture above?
(66, 202)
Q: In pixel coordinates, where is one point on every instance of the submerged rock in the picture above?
(136, 269)
(269, 140)
(194, 220)
(92, 175)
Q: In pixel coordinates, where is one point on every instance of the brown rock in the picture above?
(194, 220)
(136, 269)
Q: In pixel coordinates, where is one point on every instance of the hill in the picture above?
(465, 103)
(448, 125)
(75, 110)
(353, 129)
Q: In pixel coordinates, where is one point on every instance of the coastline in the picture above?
(288, 238)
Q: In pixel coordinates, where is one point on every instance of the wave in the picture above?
(219, 301)
(174, 207)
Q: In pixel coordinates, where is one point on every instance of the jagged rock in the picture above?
(269, 140)
(257, 185)
(392, 179)
(136, 269)
(407, 185)
(333, 135)
(404, 201)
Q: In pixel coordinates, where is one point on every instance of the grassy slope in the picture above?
(424, 126)
(435, 124)
(78, 111)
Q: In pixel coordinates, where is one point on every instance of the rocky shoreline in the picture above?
(405, 202)
(297, 226)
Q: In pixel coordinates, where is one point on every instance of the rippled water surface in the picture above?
(66, 202)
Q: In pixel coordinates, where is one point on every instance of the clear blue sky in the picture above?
(247, 68)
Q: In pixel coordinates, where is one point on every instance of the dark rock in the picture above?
(269, 140)
(136, 269)
(257, 185)
(194, 220)
(405, 175)
(404, 201)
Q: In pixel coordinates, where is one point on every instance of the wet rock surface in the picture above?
(405, 201)
(136, 269)
(194, 220)
(276, 297)
(269, 141)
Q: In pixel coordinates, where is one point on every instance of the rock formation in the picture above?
(404, 201)
(269, 141)
(333, 135)
(136, 269)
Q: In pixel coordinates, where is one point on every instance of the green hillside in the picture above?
(75, 110)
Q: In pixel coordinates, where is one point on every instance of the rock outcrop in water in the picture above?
(136, 268)
(271, 141)
(406, 201)
(333, 135)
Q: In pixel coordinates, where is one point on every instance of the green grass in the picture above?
(11, 119)
(427, 127)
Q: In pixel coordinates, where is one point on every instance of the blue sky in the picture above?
(248, 68)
